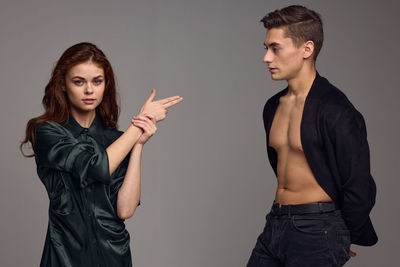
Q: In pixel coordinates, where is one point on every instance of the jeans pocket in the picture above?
(310, 225)
(342, 246)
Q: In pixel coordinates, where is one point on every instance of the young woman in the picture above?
(82, 159)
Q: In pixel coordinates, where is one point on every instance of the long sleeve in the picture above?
(56, 148)
(72, 163)
(353, 162)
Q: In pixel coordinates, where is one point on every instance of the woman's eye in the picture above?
(97, 82)
(78, 82)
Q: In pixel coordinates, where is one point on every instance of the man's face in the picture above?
(284, 59)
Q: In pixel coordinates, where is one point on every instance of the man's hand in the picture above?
(352, 254)
(158, 109)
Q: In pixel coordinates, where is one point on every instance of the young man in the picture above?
(317, 146)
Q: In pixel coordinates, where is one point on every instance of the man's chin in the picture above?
(276, 77)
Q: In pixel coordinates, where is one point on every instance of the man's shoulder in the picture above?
(334, 104)
(331, 98)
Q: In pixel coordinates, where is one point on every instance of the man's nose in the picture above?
(268, 57)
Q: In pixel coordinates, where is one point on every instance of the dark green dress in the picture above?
(84, 229)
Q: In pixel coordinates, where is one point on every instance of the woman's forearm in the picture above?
(118, 150)
(129, 193)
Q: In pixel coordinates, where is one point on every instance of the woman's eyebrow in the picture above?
(77, 77)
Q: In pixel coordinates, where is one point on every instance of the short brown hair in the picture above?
(301, 25)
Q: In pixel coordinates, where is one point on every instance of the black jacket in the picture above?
(334, 140)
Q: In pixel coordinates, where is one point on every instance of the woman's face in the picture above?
(85, 84)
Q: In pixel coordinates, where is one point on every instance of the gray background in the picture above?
(207, 184)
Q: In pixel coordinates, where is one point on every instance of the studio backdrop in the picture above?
(206, 181)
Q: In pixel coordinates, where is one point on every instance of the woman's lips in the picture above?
(88, 101)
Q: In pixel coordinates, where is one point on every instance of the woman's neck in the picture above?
(84, 119)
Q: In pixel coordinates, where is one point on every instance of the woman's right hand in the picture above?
(148, 124)
(158, 109)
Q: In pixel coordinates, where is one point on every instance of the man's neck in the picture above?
(300, 85)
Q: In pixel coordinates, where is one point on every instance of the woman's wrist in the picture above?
(136, 128)
(138, 147)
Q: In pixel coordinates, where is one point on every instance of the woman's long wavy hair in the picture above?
(55, 100)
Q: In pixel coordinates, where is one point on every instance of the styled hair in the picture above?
(55, 100)
(300, 24)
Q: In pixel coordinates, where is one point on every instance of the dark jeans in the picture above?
(306, 240)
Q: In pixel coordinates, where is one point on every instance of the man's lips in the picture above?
(272, 69)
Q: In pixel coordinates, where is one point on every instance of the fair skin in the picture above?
(129, 193)
(295, 64)
(85, 85)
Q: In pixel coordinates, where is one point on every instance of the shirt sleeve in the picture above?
(56, 148)
(358, 186)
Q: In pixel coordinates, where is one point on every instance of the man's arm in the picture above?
(358, 187)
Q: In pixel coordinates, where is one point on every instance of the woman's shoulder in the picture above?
(48, 133)
(51, 127)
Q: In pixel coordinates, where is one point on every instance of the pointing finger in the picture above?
(169, 99)
(173, 103)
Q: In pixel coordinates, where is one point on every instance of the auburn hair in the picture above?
(55, 100)
(300, 24)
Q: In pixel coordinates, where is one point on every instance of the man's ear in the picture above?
(308, 49)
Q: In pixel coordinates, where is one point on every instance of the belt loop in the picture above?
(320, 207)
(289, 210)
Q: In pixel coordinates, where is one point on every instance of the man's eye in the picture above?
(97, 82)
(78, 82)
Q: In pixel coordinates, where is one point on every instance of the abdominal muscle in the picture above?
(296, 182)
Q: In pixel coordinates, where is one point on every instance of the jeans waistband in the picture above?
(317, 207)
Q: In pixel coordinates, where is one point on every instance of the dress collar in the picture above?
(95, 129)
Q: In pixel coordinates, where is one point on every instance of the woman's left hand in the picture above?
(148, 124)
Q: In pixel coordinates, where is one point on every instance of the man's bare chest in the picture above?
(285, 128)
